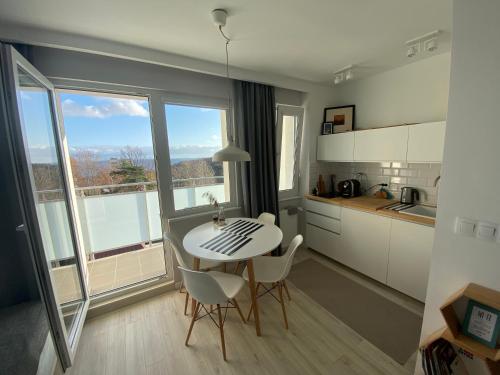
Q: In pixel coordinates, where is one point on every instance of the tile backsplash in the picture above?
(395, 174)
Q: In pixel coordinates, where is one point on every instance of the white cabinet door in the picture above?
(384, 144)
(426, 142)
(410, 258)
(366, 239)
(336, 147)
(325, 242)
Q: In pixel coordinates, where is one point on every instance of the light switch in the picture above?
(486, 231)
(465, 227)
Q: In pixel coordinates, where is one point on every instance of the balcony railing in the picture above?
(120, 216)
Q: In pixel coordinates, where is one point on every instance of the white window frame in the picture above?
(203, 102)
(288, 110)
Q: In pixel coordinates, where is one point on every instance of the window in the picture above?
(195, 133)
(289, 129)
(114, 175)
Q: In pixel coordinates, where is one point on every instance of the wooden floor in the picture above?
(148, 338)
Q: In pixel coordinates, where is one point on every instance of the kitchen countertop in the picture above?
(375, 206)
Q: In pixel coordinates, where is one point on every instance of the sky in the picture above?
(106, 124)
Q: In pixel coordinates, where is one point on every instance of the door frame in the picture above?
(65, 343)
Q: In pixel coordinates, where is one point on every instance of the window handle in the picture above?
(20, 228)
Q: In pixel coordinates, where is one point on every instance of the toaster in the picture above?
(349, 188)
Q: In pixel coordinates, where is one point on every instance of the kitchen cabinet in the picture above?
(325, 242)
(336, 147)
(426, 142)
(323, 228)
(366, 240)
(409, 258)
(383, 144)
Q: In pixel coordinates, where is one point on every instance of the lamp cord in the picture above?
(226, 38)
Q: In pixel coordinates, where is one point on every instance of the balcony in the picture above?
(121, 231)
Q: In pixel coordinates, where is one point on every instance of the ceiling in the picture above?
(301, 39)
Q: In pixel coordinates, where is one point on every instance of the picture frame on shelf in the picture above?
(342, 118)
(327, 128)
(482, 323)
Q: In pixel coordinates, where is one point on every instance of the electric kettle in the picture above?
(409, 195)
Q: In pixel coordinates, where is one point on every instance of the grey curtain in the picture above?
(255, 120)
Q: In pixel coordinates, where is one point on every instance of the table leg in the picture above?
(196, 267)
(253, 293)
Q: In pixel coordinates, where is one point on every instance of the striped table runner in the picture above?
(243, 227)
(233, 237)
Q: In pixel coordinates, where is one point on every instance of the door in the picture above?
(426, 142)
(42, 184)
(336, 147)
(383, 144)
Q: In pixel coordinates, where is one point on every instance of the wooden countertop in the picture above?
(375, 206)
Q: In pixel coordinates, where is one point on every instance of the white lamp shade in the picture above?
(231, 153)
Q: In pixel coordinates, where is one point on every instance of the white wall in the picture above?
(417, 92)
(472, 145)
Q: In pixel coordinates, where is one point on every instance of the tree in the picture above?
(129, 173)
(87, 170)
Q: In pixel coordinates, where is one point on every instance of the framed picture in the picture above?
(482, 323)
(327, 128)
(342, 118)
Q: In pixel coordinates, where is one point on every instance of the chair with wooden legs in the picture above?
(265, 218)
(212, 288)
(185, 260)
(274, 270)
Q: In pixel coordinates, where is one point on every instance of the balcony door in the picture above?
(38, 153)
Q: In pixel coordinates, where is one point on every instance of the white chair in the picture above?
(274, 270)
(212, 288)
(185, 260)
(265, 218)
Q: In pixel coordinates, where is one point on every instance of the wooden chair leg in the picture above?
(282, 301)
(197, 308)
(186, 303)
(237, 268)
(239, 310)
(286, 290)
(182, 285)
(221, 328)
(251, 306)
(224, 267)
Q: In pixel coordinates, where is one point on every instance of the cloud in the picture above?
(106, 108)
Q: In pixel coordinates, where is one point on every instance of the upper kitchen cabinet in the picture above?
(383, 144)
(336, 147)
(426, 142)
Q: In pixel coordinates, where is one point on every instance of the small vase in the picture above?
(221, 217)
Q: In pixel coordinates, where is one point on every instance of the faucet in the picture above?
(436, 181)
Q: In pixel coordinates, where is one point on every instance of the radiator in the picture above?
(289, 221)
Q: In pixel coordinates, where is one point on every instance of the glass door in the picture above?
(43, 187)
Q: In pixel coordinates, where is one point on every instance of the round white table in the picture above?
(263, 240)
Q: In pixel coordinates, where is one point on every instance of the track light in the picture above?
(428, 42)
(412, 50)
(344, 74)
(349, 75)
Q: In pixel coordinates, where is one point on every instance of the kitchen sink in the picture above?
(420, 210)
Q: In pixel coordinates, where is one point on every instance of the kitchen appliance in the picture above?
(349, 188)
(409, 195)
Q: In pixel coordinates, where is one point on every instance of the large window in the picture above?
(289, 129)
(194, 134)
(113, 169)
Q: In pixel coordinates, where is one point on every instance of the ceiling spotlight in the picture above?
(349, 75)
(338, 78)
(431, 45)
(412, 50)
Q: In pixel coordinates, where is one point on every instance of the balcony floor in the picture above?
(112, 272)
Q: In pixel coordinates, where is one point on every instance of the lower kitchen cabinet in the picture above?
(410, 258)
(366, 238)
(325, 242)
